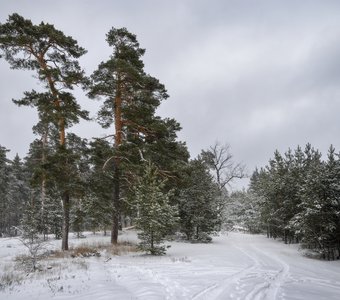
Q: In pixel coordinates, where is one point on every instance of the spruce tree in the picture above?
(29, 231)
(156, 217)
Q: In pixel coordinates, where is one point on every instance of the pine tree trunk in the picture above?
(152, 244)
(66, 220)
(43, 197)
(118, 142)
(285, 236)
(116, 206)
(62, 143)
(43, 184)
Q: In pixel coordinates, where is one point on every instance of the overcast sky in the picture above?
(258, 75)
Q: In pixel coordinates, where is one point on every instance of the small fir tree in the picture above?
(156, 217)
(29, 232)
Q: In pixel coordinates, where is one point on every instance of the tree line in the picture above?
(297, 196)
(141, 172)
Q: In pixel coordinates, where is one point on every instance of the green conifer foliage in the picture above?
(198, 208)
(53, 57)
(130, 99)
(98, 205)
(18, 193)
(4, 191)
(29, 231)
(156, 217)
(300, 199)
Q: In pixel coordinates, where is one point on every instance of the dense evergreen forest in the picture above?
(141, 175)
(298, 195)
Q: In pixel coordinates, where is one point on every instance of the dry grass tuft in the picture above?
(84, 251)
(94, 250)
(9, 279)
(123, 248)
(118, 249)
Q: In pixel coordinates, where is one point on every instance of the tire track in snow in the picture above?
(270, 288)
(217, 285)
(218, 288)
(234, 286)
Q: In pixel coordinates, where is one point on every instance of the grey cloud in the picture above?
(260, 75)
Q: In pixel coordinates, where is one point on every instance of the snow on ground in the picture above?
(234, 266)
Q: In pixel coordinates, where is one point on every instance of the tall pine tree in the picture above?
(131, 98)
(53, 57)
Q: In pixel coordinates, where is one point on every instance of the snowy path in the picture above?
(234, 266)
(273, 271)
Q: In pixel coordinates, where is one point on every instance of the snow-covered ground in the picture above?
(234, 266)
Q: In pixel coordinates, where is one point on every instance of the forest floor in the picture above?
(233, 266)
